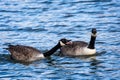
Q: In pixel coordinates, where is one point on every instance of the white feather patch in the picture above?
(37, 57)
(40, 56)
(87, 51)
(94, 35)
(61, 43)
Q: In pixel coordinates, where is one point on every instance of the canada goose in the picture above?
(77, 48)
(28, 54)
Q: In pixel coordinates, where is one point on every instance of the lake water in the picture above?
(41, 23)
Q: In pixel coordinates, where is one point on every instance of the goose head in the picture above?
(94, 32)
(64, 41)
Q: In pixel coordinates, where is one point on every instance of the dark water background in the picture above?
(41, 23)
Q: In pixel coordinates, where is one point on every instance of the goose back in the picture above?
(73, 49)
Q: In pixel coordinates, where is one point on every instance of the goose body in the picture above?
(78, 48)
(28, 54)
(25, 53)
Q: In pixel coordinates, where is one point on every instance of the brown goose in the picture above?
(77, 48)
(28, 54)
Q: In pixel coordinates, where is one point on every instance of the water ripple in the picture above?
(41, 23)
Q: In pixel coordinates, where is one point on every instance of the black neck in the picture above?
(51, 51)
(92, 42)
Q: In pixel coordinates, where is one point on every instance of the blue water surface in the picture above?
(41, 23)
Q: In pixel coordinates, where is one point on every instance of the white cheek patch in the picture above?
(61, 43)
(94, 35)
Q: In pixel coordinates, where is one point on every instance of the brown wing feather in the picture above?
(22, 53)
(76, 44)
(72, 48)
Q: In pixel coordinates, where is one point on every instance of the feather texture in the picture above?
(24, 53)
